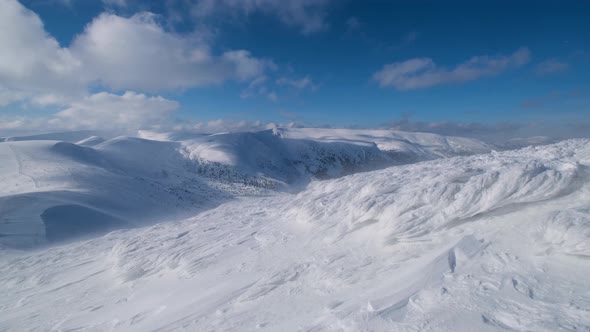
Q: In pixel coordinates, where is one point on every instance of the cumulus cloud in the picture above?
(115, 53)
(129, 110)
(20, 124)
(308, 15)
(31, 61)
(9, 96)
(134, 53)
(550, 66)
(137, 53)
(421, 73)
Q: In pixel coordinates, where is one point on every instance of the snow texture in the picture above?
(266, 232)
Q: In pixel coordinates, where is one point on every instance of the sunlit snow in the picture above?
(293, 230)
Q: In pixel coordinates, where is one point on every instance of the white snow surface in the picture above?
(489, 242)
(49, 185)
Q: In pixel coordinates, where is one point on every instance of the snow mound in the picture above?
(568, 232)
(490, 242)
(50, 186)
(414, 200)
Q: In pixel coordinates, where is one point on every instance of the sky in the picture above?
(467, 68)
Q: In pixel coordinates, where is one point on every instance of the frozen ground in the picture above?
(490, 242)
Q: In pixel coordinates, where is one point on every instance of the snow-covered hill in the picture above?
(67, 136)
(58, 190)
(289, 155)
(489, 242)
(54, 191)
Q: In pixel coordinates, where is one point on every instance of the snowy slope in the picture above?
(289, 155)
(49, 185)
(68, 136)
(53, 191)
(491, 242)
(424, 144)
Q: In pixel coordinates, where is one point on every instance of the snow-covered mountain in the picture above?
(289, 155)
(517, 143)
(66, 136)
(57, 190)
(247, 238)
(48, 185)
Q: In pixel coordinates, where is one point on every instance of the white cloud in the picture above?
(21, 123)
(420, 73)
(8, 96)
(31, 61)
(134, 53)
(114, 52)
(308, 15)
(261, 86)
(102, 110)
(550, 66)
(130, 110)
(302, 83)
(256, 87)
(137, 53)
(121, 3)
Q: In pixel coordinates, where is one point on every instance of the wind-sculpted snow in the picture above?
(567, 232)
(414, 200)
(490, 242)
(126, 181)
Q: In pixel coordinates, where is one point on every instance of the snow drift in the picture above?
(489, 242)
(124, 182)
(127, 181)
(411, 201)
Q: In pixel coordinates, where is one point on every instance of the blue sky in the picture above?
(314, 62)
